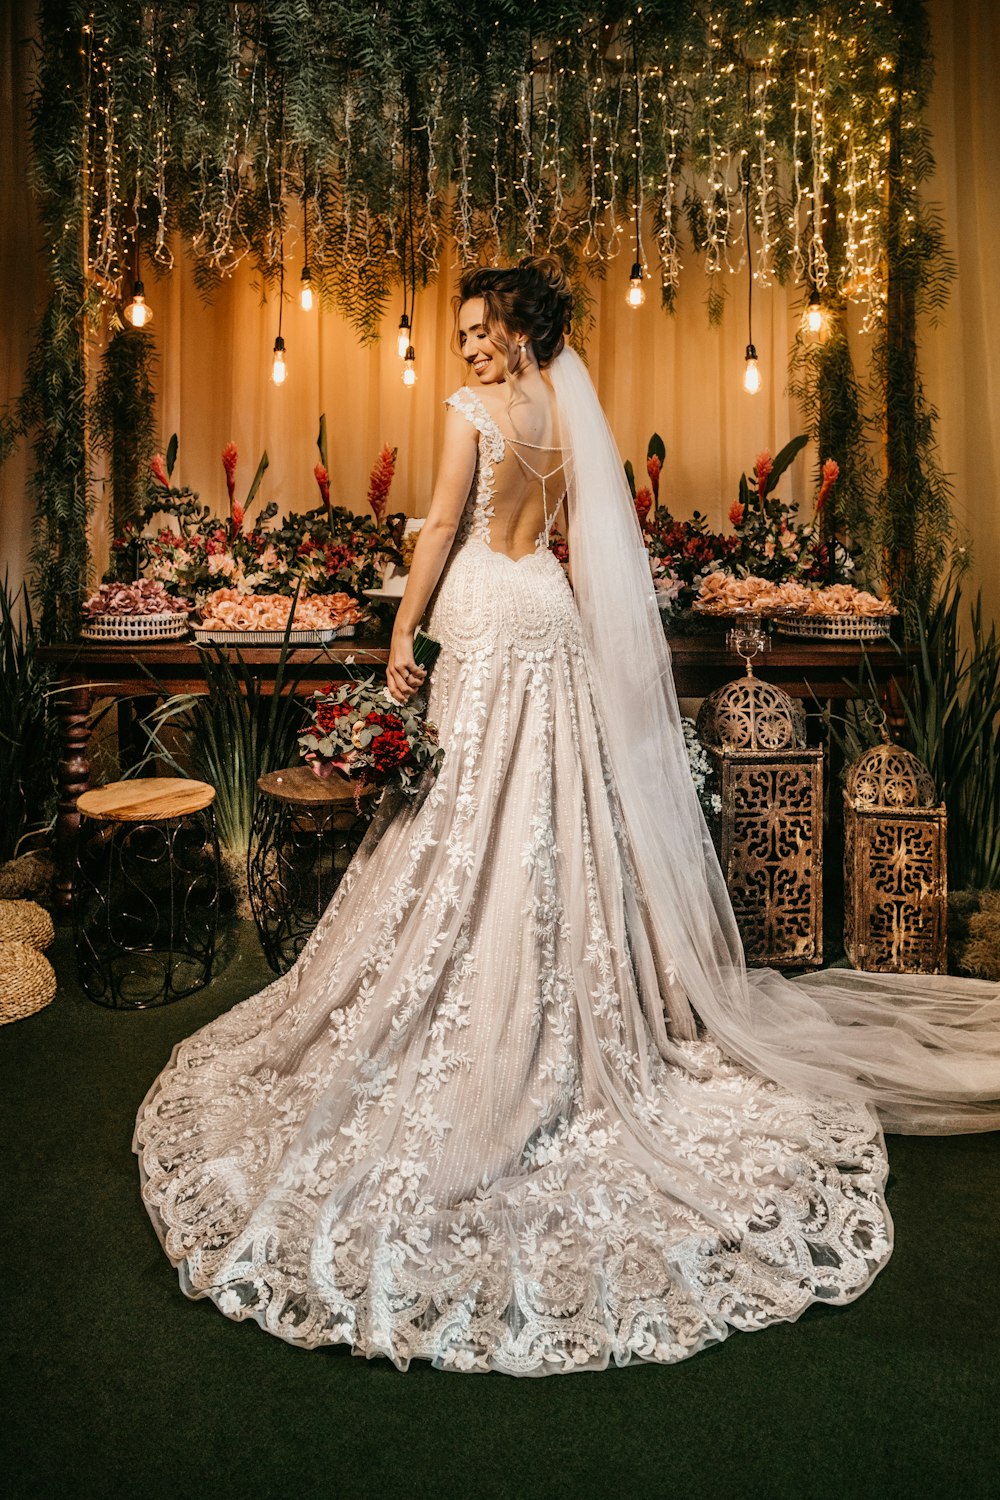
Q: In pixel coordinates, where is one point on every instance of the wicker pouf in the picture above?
(25, 922)
(146, 891)
(27, 981)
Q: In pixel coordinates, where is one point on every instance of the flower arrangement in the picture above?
(720, 593)
(703, 773)
(681, 553)
(769, 541)
(359, 731)
(232, 609)
(772, 541)
(325, 550)
(145, 597)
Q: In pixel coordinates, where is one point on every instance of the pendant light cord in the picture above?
(638, 124)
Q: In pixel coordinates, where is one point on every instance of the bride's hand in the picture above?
(402, 674)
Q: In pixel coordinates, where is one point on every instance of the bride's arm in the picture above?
(454, 480)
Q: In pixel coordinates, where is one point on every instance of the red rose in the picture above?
(389, 750)
(327, 715)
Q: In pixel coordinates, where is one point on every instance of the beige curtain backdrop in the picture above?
(678, 376)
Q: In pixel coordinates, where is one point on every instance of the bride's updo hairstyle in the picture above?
(532, 298)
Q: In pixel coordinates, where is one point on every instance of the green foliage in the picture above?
(27, 732)
(123, 418)
(823, 381)
(784, 458)
(261, 470)
(951, 704)
(630, 476)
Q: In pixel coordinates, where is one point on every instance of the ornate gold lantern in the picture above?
(895, 865)
(771, 831)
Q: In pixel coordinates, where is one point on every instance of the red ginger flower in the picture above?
(380, 482)
(323, 480)
(158, 468)
(736, 513)
(653, 467)
(762, 466)
(831, 473)
(229, 458)
(643, 501)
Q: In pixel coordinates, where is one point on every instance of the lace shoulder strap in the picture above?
(471, 406)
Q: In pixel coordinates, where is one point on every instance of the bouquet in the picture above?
(360, 732)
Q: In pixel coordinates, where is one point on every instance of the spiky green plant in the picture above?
(952, 708)
(27, 734)
(950, 693)
(233, 733)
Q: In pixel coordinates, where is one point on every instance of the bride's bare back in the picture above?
(529, 482)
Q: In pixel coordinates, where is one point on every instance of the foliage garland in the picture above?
(123, 417)
(410, 133)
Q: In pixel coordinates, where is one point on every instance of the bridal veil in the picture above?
(923, 1050)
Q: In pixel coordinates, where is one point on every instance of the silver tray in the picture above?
(210, 636)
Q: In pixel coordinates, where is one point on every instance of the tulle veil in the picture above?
(923, 1051)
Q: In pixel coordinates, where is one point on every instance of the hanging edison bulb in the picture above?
(409, 360)
(636, 294)
(751, 374)
(306, 291)
(138, 312)
(814, 313)
(278, 371)
(403, 338)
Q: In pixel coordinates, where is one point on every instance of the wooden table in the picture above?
(86, 672)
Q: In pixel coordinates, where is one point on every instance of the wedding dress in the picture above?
(477, 1122)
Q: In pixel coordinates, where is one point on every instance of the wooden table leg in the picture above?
(133, 737)
(73, 709)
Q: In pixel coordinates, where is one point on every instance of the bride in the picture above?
(519, 1106)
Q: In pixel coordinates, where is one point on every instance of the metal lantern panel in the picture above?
(895, 866)
(771, 839)
(771, 826)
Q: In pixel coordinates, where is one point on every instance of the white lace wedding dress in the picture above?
(457, 1130)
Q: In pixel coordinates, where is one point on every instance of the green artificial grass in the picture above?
(118, 1385)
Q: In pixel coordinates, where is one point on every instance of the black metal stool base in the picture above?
(299, 851)
(146, 910)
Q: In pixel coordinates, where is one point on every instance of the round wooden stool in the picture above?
(146, 891)
(305, 832)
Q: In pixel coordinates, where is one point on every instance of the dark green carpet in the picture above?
(120, 1386)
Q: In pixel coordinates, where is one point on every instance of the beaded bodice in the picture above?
(486, 598)
(493, 447)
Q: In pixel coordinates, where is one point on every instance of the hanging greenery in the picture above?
(411, 133)
(124, 421)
